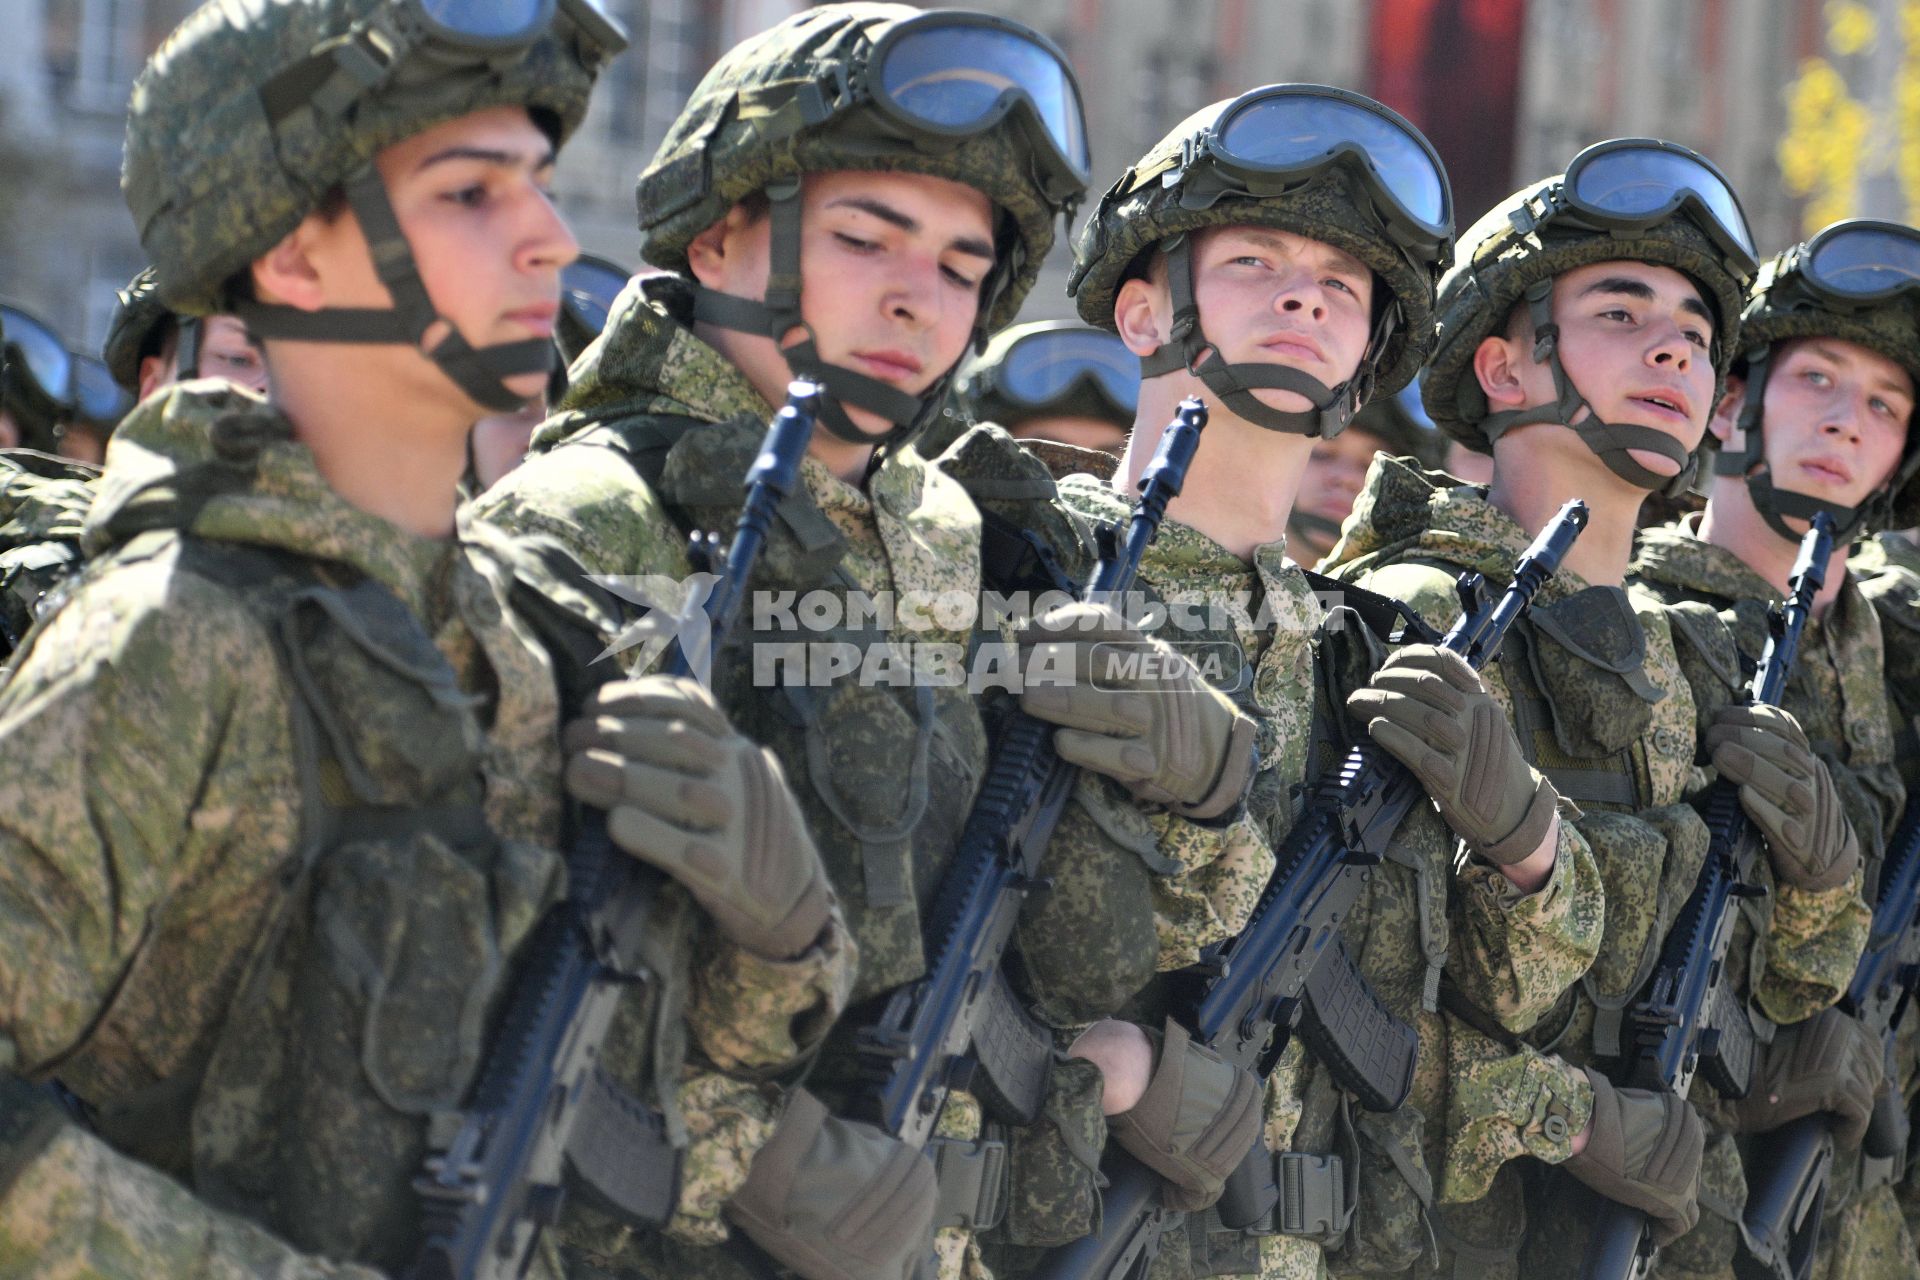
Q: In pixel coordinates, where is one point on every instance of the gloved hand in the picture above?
(1159, 728)
(1644, 1151)
(1829, 1063)
(1788, 793)
(687, 794)
(837, 1199)
(1431, 711)
(1197, 1120)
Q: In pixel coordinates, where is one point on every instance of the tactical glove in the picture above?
(1136, 711)
(1431, 711)
(1644, 1151)
(1788, 793)
(687, 794)
(1830, 1063)
(836, 1199)
(1197, 1120)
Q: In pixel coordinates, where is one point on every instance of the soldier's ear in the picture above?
(716, 256)
(1725, 422)
(290, 273)
(1496, 365)
(1141, 312)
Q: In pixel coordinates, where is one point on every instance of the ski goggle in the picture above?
(1275, 137)
(1635, 183)
(1857, 264)
(588, 287)
(1042, 367)
(415, 42)
(44, 357)
(97, 399)
(954, 74)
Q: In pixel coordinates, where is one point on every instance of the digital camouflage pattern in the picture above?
(43, 505)
(214, 182)
(1405, 922)
(1599, 690)
(1839, 696)
(1495, 263)
(655, 436)
(155, 885)
(745, 128)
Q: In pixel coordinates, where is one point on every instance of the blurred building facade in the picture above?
(1812, 106)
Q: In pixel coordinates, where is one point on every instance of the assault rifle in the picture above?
(543, 1106)
(1787, 1168)
(1288, 972)
(1690, 1019)
(961, 1026)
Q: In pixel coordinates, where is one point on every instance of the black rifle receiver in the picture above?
(542, 1105)
(961, 1026)
(1690, 1019)
(1786, 1169)
(1287, 971)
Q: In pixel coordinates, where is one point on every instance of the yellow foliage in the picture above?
(1851, 26)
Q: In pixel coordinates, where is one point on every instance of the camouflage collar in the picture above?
(210, 459)
(649, 362)
(1675, 555)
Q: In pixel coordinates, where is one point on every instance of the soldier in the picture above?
(297, 799)
(1337, 469)
(1308, 271)
(856, 196)
(1583, 332)
(1818, 418)
(149, 346)
(1053, 380)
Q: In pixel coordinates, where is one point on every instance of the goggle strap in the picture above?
(186, 348)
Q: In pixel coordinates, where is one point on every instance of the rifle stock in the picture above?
(1286, 969)
(1691, 1020)
(543, 1108)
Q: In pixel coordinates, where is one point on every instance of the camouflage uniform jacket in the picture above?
(654, 438)
(262, 965)
(1595, 682)
(1408, 919)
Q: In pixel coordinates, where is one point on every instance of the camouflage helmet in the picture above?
(1051, 368)
(1345, 190)
(250, 114)
(805, 97)
(1516, 250)
(970, 98)
(140, 328)
(1857, 281)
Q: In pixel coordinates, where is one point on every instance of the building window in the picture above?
(94, 50)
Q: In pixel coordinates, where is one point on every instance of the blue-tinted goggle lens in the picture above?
(1645, 182)
(957, 77)
(46, 358)
(96, 396)
(588, 287)
(490, 21)
(1866, 263)
(1043, 365)
(1290, 131)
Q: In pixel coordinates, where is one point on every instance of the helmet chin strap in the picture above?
(779, 315)
(1188, 351)
(1610, 441)
(481, 372)
(1776, 506)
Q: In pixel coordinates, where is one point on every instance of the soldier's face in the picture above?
(891, 266)
(1268, 296)
(1836, 419)
(1074, 429)
(1335, 472)
(472, 197)
(1635, 339)
(227, 351)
